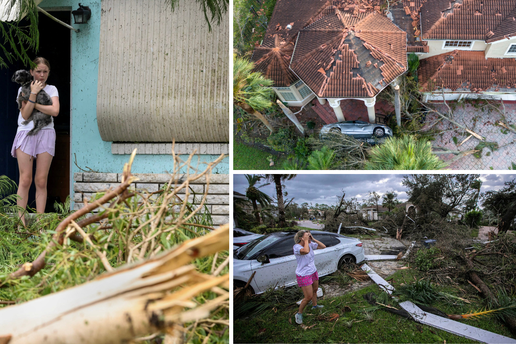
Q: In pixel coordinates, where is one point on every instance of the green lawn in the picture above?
(350, 319)
(250, 158)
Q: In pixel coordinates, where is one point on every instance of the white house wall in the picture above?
(436, 47)
(162, 74)
(498, 49)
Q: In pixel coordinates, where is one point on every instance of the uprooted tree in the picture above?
(503, 204)
(148, 287)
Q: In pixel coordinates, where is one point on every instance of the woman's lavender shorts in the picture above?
(43, 141)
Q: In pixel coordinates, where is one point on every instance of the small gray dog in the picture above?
(40, 120)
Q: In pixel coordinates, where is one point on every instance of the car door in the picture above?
(362, 129)
(281, 269)
(326, 259)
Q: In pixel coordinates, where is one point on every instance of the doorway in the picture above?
(55, 46)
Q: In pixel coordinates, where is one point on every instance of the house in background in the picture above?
(137, 75)
(341, 49)
(471, 48)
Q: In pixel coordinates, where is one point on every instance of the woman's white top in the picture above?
(52, 92)
(305, 262)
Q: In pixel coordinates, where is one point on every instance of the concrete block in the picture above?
(147, 187)
(99, 177)
(219, 220)
(77, 197)
(94, 187)
(77, 177)
(220, 209)
(218, 189)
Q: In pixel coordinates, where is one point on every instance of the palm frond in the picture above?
(214, 10)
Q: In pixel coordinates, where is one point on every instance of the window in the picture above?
(288, 96)
(511, 50)
(458, 45)
(304, 91)
(281, 248)
(327, 239)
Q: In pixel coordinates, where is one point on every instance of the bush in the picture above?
(425, 258)
(310, 124)
(322, 160)
(282, 141)
(473, 218)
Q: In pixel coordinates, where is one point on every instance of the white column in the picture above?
(322, 101)
(335, 104)
(369, 102)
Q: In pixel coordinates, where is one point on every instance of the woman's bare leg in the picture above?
(25, 168)
(42, 168)
(307, 292)
(315, 286)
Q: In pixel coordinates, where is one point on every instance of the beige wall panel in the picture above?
(498, 49)
(162, 74)
(436, 48)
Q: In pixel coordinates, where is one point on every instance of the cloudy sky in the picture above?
(324, 188)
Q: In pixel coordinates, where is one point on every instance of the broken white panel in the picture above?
(369, 229)
(408, 250)
(378, 279)
(371, 257)
(453, 326)
(10, 9)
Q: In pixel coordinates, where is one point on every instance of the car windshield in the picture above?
(255, 246)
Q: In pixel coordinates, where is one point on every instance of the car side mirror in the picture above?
(264, 259)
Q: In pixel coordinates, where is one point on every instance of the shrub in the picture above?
(473, 218)
(310, 124)
(425, 258)
(405, 153)
(282, 140)
(321, 160)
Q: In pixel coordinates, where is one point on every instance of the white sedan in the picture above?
(272, 258)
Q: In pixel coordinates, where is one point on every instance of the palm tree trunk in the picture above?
(257, 114)
(282, 223)
(256, 212)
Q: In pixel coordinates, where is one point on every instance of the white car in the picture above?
(272, 258)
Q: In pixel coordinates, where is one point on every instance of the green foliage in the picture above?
(302, 149)
(249, 87)
(425, 258)
(310, 125)
(323, 159)
(283, 140)
(473, 218)
(404, 153)
(20, 37)
(294, 163)
(422, 291)
(484, 144)
(413, 64)
(8, 195)
(263, 229)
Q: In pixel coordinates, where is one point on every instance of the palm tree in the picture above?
(251, 90)
(321, 160)
(278, 179)
(389, 200)
(256, 196)
(405, 153)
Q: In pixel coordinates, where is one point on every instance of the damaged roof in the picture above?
(273, 57)
(488, 20)
(462, 70)
(344, 54)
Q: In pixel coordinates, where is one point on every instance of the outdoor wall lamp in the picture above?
(82, 14)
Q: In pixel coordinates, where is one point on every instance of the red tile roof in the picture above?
(288, 18)
(467, 71)
(354, 56)
(489, 20)
(273, 62)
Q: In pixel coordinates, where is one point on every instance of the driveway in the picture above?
(481, 120)
(309, 224)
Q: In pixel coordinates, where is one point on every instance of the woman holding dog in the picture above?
(306, 272)
(40, 146)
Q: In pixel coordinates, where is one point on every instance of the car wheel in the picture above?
(346, 261)
(379, 132)
(335, 130)
(240, 284)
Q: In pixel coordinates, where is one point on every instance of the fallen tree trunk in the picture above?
(132, 301)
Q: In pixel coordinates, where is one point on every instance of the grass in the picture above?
(364, 323)
(250, 158)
